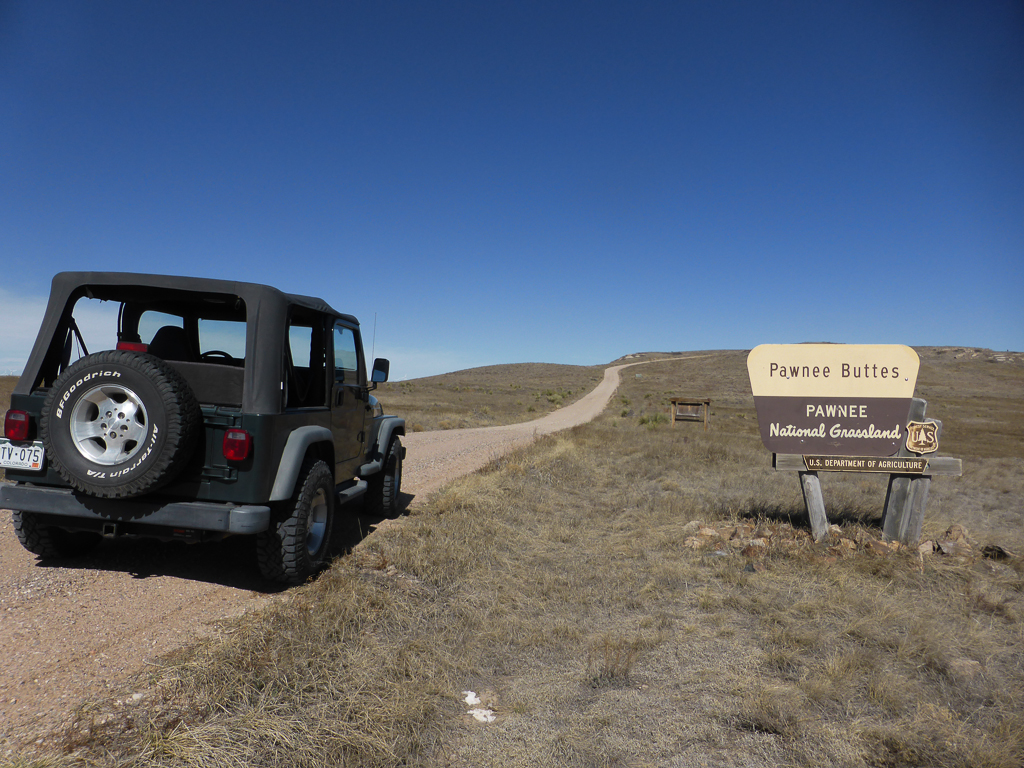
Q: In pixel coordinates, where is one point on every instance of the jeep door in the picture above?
(349, 401)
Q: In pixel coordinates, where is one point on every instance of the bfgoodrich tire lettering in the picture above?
(119, 424)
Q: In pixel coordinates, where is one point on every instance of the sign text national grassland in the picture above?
(833, 399)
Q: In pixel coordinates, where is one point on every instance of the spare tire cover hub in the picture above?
(109, 424)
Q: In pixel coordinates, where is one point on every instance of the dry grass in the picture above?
(566, 582)
(483, 397)
(6, 388)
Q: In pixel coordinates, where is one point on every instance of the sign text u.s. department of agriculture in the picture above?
(891, 464)
(833, 399)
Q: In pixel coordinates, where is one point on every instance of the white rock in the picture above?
(482, 715)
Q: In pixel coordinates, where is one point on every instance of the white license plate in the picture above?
(21, 455)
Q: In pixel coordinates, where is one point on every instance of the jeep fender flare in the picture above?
(292, 457)
(389, 426)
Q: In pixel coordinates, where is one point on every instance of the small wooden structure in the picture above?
(691, 409)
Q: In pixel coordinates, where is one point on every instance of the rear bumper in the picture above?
(137, 513)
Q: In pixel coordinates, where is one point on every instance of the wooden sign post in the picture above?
(849, 408)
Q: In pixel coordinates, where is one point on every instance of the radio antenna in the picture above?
(373, 344)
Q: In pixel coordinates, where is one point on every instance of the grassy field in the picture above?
(484, 397)
(630, 594)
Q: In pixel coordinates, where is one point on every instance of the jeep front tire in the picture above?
(386, 485)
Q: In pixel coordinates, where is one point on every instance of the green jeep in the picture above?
(212, 408)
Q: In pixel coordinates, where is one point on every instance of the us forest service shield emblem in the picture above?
(922, 437)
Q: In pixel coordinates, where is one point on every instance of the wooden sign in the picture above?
(833, 399)
(909, 478)
(684, 409)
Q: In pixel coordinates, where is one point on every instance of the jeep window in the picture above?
(221, 336)
(97, 322)
(305, 362)
(346, 361)
(163, 322)
(193, 337)
(91, 326)
(151, 322)
(300, 339)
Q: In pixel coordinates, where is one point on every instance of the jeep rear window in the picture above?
(222, 336)
(197, 338)
(151, 322)
(97, 323)
(178, 326)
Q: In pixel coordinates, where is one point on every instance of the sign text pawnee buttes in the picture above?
(833, 399)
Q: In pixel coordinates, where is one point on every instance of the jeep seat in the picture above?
(171, 343)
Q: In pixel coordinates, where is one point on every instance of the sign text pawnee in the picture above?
(833, 399)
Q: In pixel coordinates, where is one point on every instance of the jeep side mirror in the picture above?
(381, 370)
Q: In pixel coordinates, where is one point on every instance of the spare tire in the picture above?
(119, 424)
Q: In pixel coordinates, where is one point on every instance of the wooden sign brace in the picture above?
(905, 498)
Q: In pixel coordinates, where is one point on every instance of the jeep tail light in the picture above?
(132, 346)
(237, 444)
(16, 425)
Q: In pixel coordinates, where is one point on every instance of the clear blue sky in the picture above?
(506, 182)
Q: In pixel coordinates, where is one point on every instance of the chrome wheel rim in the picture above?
(316, 522)
(109, 425)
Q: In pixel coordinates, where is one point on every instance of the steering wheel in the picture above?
(215, 353)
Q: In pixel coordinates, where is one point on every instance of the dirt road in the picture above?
(77, 630)
(435, 458)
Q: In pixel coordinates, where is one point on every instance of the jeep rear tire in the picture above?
(119, 424)
(50, 542)
(298, 541)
